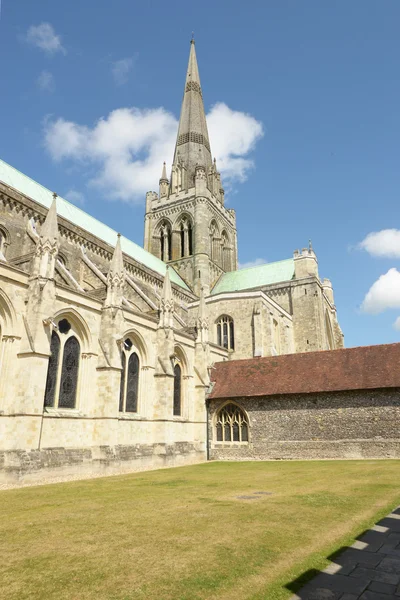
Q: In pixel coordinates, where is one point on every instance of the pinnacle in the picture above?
(164, 173)
(117, 262)
(50, 226)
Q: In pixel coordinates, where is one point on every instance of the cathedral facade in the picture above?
(106, 348)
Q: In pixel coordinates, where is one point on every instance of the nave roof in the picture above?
(27, 186)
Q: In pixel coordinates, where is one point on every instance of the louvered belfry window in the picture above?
(231, 425)
(129, 388)
(63, 368)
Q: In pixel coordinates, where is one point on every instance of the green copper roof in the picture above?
(77, 216)
(255, 277)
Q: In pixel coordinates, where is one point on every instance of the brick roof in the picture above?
(364, 367)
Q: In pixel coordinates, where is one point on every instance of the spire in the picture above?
(164, 173)
(49, 229)
(117, 262)
(192, 144)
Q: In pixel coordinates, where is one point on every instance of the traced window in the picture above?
(63, 369)
(231, 425)
(177, 390)
(226, 333)
(129, 387)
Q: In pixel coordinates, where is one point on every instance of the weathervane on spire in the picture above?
(192, 40)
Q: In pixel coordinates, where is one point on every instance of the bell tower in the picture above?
(186, 223)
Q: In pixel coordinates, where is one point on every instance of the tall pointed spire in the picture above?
(192, 144)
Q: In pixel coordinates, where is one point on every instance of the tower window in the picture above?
(129, 386)
(231, 425)
(63, 369)
(226, 333)
(165, 242)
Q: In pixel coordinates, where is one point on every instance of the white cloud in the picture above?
(46, 81)
(252, 263)
(120, 70)
(75, 197)
(233, 135)
(129, 146)
(44, 37)
(385, 243)
(384, 293)
(396, 324)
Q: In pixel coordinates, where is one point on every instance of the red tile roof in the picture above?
(365, 367)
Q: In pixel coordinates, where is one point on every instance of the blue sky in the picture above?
(321, 79)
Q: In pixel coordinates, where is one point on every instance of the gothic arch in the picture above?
(162, 239)
(5, 239)
(79, 325)
(140, 345)
(225, 328)
(226, 250)
(183, 236)
(180, 370)
(231, 424)
(214, 241)
(8, 317)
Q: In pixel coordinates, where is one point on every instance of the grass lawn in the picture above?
(184, 533)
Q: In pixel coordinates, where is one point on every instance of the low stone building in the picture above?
(336, 404)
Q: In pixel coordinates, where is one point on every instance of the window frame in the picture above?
(126, 355)
(243, 420)
(63, 339)
(225, 330)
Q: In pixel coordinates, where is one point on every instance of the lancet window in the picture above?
(177, 411)
(63, 369)
(231, 425)
(4, 239)
(165, 242)
(185, 238)
(129, 386)
(225, 252)
(226, 332)
(215, 250)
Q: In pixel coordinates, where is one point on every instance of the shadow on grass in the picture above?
(371, 564)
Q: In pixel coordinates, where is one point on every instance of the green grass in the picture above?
(182, 534)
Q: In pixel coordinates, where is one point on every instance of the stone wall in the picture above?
(351, 424)
(57, 464)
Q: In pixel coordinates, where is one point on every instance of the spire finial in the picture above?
(310, 248)
(55, 196)
(192, 40)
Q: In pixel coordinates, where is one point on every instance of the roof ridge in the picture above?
(275, 262)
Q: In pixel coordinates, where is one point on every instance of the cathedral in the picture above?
(106, 348)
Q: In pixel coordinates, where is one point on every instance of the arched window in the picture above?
(165, 241)
(129, 387)
(231, 425)
(214, 242)
(190, 239)
(4, 242)
(63, 369)
(177, 390)
(226, 333)
(182, 235)
(225, 252)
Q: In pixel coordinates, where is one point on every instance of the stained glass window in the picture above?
(177, 390)
(69, 373)
(63, 368)
(132, 383)
(51, 381)
(129, 388)
(231, 425)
